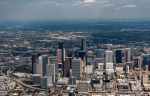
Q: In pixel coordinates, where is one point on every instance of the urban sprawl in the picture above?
(71, 64)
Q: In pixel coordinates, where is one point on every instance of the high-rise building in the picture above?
(36, 76)
(119, 56)
(43, 60)
(47, 71)
(34, 59)
(39, 66)
(35, 63)
(68, 63)
(40, 70)
(109, 66)
(83, 44)
(61, 57)
(136, 62)
(76, 68)
(67, 66)
(51, 72)
(82, 55)
(127, 55)
(90, 57)
(146, 61)
(109, 56)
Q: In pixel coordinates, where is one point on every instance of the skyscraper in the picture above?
(109, 66)
(146, 61)
(68, 63)
(82, 55)
(109, 56)
(51, 72)
(60, 58)
(36, 76)
(119, 56)
(67, 66)
(76, 68)
(43, 60)
(34, 63)
(83, 44)
(127, 53)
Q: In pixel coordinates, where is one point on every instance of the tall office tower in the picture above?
(82, 64)
(51, 72)
(68, 63)
(127, 54)
(60, 57)
(140, 59)
(39, 66)
(109, 61)
(83, 44)
(76, 68)
(119, 56)
(137, 62)
(90, 57)
(43, 60)
(67, 66)
(53, 60)
(146, 61)
(82, 55)
(109, 56)
(34, 59)
(108, 68)
(36, 77)
(35, 63)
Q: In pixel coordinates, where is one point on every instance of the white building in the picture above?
(127, 52)
(109, 56)
(109, 65)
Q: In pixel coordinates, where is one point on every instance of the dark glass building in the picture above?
(119, 56)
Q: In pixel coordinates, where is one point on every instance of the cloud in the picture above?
(103, 2)
(125, 7)
(108, 5)
(74, 9)
(88, 1)
(129, 6)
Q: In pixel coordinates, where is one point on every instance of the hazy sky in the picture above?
(74, 9)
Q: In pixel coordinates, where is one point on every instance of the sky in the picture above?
(74, 9)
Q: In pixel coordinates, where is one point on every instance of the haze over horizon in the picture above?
(27, 10)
